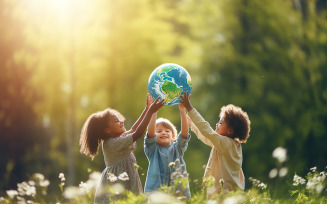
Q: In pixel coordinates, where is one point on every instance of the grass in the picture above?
(310, 189)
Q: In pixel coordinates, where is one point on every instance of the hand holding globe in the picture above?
(169, 81)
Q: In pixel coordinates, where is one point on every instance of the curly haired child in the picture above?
(225, 161)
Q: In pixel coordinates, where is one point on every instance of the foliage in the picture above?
(313, 189)
(264, 56)
(21, 132)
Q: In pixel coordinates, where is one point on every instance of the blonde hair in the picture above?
(93, 131)
(167, 124)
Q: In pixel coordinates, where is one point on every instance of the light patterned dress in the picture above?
(119, 158)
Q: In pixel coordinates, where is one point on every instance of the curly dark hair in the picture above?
(93, 131)
(238, 120)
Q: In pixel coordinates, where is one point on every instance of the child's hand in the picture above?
(185, 100)
(156, 105)
(149, 100)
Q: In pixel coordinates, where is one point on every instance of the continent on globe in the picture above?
(171, 90)
(169, 81)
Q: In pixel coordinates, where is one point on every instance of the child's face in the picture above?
(115, 126)
(164, 135)
(222, 128)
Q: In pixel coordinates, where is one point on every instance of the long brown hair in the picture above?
(93, 131)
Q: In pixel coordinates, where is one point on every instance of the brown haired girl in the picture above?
(107, 127)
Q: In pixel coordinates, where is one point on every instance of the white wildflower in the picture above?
(211, 202)
(21, 200)
(62, 177)
(234, 199)
(283, 172)
(39, 176)
(12, 193)
(185, 174)
(31, 191)
(280, 154)
(117, 188)
(84, 188)
(254, 181)
(160, 197)
(319, 188)
(273, 173)
(262, 186)
(72, 192)
(93, 180)
(44, 183)
(175, 175)
(95, 175)
(310, 185)
(322, 175)
(297, 180)
(25, 189)
(181, 198)
(171, 164)
(112, 177)
(123, 176)
(313, 169)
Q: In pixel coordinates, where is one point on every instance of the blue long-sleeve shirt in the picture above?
(159, 171)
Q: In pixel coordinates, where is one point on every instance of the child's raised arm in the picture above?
(154, 107)
(152, 126)
(197, 132)
(184, 123)
(139, 120)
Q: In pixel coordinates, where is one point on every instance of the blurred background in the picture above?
(62, 60)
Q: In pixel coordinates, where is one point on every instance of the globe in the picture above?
(169, 81)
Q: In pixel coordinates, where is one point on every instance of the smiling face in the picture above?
(222, 128)
(165, 135)
(115, 126)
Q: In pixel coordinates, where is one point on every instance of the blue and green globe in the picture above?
(169, 81)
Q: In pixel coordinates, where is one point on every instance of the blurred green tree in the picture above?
(24, 141)
(267, 57)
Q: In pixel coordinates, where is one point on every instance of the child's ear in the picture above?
(107, 130)
(230, 131)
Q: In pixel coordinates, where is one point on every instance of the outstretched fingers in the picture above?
(156, 105)
(185, 96)
(185, 100)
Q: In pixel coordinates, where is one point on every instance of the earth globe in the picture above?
(169, 81)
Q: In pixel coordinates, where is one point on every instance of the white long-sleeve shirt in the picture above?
(225, 161)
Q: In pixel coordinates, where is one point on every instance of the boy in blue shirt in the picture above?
(162, 149)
